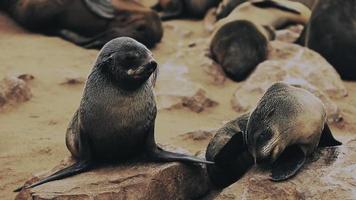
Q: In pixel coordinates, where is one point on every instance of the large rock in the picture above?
(296, 65)
(126, 181)
(175, 90)
(331, 176)
(13, 91)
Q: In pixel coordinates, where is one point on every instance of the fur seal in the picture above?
(116, 117)
(87, 23)
(239, 42)
(173, 9)
(332, 33)
(229, 152)
(286, 126)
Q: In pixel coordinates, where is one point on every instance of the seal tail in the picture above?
(72, 170)
(162, 155)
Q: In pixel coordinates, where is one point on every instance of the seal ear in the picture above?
(288, 164)
(327, 139)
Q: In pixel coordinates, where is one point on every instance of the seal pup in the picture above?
(173, 9)
(240, 40)
(286, 127)
(116, 117)
(87, 23)
(332, 33)
(229, 152)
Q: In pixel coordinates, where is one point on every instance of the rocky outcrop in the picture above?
(329, 174)
(295, 65)
(14, 90)
(126, 181)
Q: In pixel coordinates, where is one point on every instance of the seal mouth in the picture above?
(143, 70)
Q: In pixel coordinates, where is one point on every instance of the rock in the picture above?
(331, 176)
(199, 102)
(199, 135)
(73, 81)
(296, 65)
(175, 90)
(130, 180)
(13, 91)
(215, 71)
(290, 34)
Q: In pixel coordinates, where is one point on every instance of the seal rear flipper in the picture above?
(288, 164)
(101, 8)
(74, 169)
(158, 154)
(231, 149)
(327, 139)
(86, 42)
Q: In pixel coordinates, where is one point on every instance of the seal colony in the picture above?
(287, 125)
(87, 23)
(240, 40)
(116, 117)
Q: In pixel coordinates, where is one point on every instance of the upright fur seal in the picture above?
(116, 117)
(88, 23)
(332, 33)
(239, 42)
(286, 126)
(173, 9)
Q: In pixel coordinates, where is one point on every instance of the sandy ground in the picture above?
(32, 134)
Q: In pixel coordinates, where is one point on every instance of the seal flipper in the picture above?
(288, 164)
(86, 42)
(101, 8)
(158, 154)
(327, 139)
(74, 169)
(174, 12)
(232, 162)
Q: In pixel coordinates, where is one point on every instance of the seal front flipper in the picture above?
(74, 169)
(231, 162)
(158, 154)
(288, 163)
(327, 139)
(96, 41)
(101, 8)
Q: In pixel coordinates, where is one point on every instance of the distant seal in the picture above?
(87, 23)
(240, 40)
(332, 33)
(286, 126)
(116, 117)
(229, 152)
(226, 6)
(173, 9)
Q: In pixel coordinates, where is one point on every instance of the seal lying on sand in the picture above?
(116, 117)
(88, 23)
(239, 42)
(173, 9)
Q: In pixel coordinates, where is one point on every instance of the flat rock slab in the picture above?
(126, 181)
(330, 174)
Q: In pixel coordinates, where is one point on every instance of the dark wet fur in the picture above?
(238, 47)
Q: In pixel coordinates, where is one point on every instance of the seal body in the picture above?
(332, 33)
(173, 9)
(239, 42)
(286, 126)
(70, 19)
(116, 117)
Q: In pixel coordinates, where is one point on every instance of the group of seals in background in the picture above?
(287, 125)
(88, 23)
(116, 117)
(240, 40)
